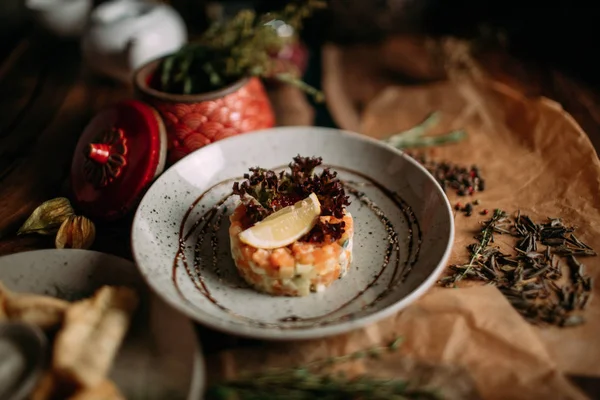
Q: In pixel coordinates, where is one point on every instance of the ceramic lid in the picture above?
(119, 154)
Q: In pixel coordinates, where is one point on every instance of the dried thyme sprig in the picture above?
(530, 278)
(310, 382)
(240, 47)
(477, 250)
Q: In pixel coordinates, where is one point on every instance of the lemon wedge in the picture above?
(285, 226)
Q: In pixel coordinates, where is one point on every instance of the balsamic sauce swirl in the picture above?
(207, 226)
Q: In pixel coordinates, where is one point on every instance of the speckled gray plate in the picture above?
(209, 289)
(160, 357)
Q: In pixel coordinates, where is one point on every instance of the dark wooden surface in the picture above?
(47, 97)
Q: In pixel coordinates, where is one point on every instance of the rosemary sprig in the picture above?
(310, 382)
(420, 129)
(414, 137)
(427, 141)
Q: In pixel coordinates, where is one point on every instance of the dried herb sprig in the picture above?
(485, 236)
(464, 180)
(312, 382)
(531, 278)
(240, 47)
(414, 137)
(264, 192)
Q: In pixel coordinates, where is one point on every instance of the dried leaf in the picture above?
(48, 217)
(76, 232)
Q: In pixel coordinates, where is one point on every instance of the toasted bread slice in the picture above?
(43, 311)
(92, 333)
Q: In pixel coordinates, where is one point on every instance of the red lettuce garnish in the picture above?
(323, 230)
(263, 192)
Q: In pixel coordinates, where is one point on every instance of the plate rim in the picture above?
(197, 384)
(319, 331)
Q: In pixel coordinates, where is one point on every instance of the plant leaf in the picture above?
(47, 217)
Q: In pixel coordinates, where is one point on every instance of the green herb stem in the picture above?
(292, 80)
(400, 142)
(484, 239)
(414, 137)
(420, 129)
(305, 383)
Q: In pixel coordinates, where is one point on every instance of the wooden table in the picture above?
(48, 96)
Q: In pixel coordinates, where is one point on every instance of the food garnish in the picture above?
(284, 226)
(291, 234)
(265, 192)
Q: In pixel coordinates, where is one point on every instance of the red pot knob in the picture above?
(119, 154)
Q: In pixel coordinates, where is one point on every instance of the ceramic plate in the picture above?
(204, 283)
(160, 358)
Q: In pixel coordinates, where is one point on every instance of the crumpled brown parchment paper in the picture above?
(535, 158)
(449, 328)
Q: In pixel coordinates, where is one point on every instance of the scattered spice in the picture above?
(313, 381)
(463, 180)
(468, 209)
(264, 192)
(533, 278)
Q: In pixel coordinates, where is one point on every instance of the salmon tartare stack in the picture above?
(291, 234)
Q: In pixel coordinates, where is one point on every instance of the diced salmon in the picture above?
(293, 270)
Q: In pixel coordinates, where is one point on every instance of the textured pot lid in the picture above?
(119, 154)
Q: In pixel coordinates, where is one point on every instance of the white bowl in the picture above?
(123, 35)
(243, 311)
(64, 18)
(160, 357)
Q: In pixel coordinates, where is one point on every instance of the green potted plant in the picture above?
(211, 88)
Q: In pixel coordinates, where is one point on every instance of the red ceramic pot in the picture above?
(193, 121)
